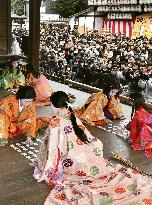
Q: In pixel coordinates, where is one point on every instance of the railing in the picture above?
(124, 99)
(83, 86)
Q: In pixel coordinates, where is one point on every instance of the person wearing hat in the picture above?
(12, 76)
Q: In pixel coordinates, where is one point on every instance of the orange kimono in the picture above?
(115, 108)
(93, 112)
(13, 122)
(42, 88)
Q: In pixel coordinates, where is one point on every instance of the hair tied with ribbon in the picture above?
(68, 104)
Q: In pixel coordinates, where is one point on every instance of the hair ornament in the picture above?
(68, 104)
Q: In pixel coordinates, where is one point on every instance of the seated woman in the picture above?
(12, 76)
(140, 127)
(18, 115)
(40, 84)
(101, 107)
(71, 161)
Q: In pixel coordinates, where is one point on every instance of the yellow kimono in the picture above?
(11, 78)
(93, 112)
(13, 122)
(115, 108)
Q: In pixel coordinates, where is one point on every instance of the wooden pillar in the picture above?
(34, 32)
(5, 26)
(94, 20)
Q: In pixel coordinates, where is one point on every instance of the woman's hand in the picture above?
(107, 121)
(29, 141)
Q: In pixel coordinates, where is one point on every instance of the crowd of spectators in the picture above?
(87, 58)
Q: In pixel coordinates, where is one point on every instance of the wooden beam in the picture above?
(82, 85)
(124, 99)
(5, 26)
(34, 32)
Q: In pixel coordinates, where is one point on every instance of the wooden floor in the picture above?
(113, 143)
(17, 186)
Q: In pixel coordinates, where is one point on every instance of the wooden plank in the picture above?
(17, 178)
(82, 85)
(3, 43)
(3, 9)
(3, 16)
(3, 30)
(9, 26)
(34, 32)
(5, 26)
(3, 3)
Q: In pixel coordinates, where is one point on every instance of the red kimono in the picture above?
(141, 131)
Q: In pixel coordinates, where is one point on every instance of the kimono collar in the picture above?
(63, 113)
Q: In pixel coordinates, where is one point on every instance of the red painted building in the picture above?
(119, 15)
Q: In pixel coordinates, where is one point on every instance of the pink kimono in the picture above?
(42, 88)
(79, 175)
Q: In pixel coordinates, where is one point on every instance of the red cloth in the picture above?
(140, 134)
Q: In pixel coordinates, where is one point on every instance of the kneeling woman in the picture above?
(12, 76)
(40, 84)
(140, 127)
(18, 115)
(71, 161)
(101, 107)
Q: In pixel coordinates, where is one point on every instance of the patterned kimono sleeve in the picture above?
(91, 98)
(2, 122)
(134, 128)
(27, 121)
(5, 117)
(30, 80)
(50, 149)
(20, 79)
(27, 79)
(7, 104)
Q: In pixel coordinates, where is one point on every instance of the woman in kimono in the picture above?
(12, 76)
(40, 84)
(18, 115)
(71, 161)
(140, 127)
(104, 106)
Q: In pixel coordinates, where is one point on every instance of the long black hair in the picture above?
(110, 82)
(138, 102)
(26, 92)
(60, 99)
